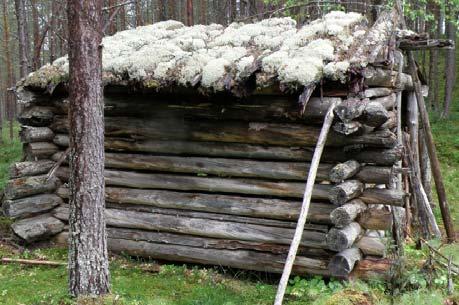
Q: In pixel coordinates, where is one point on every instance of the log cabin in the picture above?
(209, 132)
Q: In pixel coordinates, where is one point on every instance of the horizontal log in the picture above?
(37, 228)
(383, 196)
(319, 212)
(266, 108)
(28, 186)
(387, 101)
(347, 213)
(206, 184)
(374, 246)
(244, 259)
(424, 44)
(248, 151)
(40, 150)
(229, 132)
(343, 171)
(345, 191)
(225, 167)
(341, 239)
(203, 227)
(342, 264)
(28, 206)
(216, 185)
(29, 134)
(372, 268)
(376, 218)
(377, 77)
(30, 168)
(374, 174)
(377, 92)
(37, 116)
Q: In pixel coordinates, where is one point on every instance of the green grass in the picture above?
(10, 151)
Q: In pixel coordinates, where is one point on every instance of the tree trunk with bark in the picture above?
(10, 101)
(22, 37)
(189, 12)
(450, 71)
(88, 257)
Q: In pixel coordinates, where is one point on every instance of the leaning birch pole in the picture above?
(305, 205)
(436, 170)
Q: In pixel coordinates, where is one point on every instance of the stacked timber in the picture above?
(220, 181)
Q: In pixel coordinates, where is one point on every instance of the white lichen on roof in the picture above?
(168, 52)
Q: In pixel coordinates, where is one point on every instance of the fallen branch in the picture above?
(56, 166)
(31, 262)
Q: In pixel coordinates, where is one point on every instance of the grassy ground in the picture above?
(133, 284)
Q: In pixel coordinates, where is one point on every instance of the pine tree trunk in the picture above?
(52, 36)
(10, 101)
(122, 17)
(22, 38)
(88, 258)
(112, 25)
(450, 71)
(189, 12)
(435, 80)
(203, 9)
(138, 13)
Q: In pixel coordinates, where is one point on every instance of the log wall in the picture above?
(220, 182)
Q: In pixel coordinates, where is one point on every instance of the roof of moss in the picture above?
(216, 58)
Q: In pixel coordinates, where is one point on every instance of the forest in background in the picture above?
(35, 32)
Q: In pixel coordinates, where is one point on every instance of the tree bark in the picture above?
(189, 12)
(450, 71)
(22, 38)
(88, 257)
(10, 100)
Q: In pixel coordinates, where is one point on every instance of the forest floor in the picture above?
(137, 282)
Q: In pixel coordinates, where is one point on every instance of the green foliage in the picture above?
(10, 151)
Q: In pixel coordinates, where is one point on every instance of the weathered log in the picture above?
(423, 44)
(347, 213)
(388, 101)
(29, 134)
(215, 203)
(215, 216)
(237, 150)
(341, 239)
(231, 131)
(350, 109)
(224, 167)
(371, 245)
(376, 218)
(383, 196)
(344, 171)
(374, 114)
(244, 259)
(377, 77)
(266, 108)
(199, 242)
(371, 113)
(37, 116)
(40, 150)
(30, 168)
(342, 264)
(345, 191)
(377, 92)
(38, 227)
(374, 174)
(391, 123)
(213, 185)
(372, 268)
(28, 186)
(29, 206)
(349, 128)
(203, 227)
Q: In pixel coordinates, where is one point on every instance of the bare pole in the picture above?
(305, 205)
(436, 171)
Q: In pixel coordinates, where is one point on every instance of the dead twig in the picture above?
(31, 262)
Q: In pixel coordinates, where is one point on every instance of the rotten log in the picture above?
(372, 268)
(28, 186)
(29, 134)
(37, 228)
(344, 171)
(341, 239)
(347, 213)
(345, 191)
(229, 132)
(249, 151)
(342, 264)
(28, 206)
(203, 227)
(30, 168)
(215, 203)
(376, 218)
